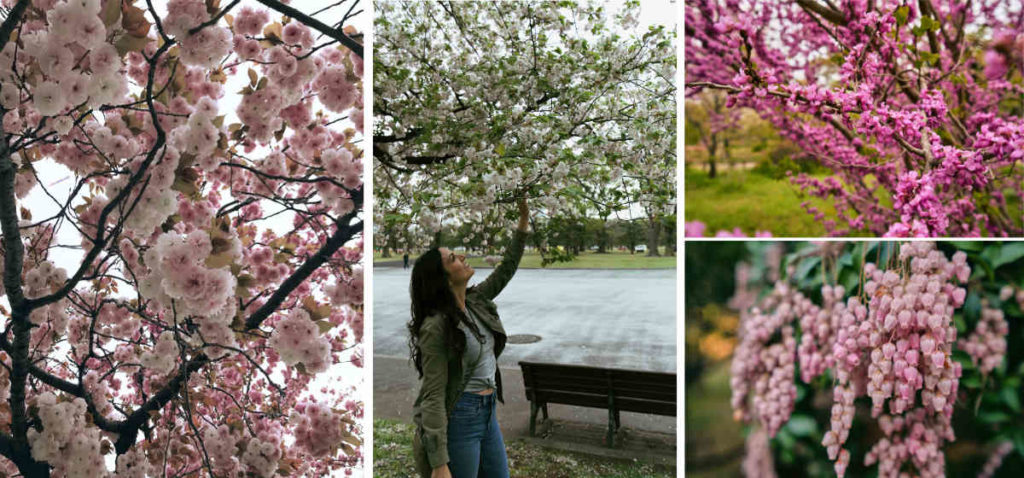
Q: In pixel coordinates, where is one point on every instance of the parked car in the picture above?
(641, 248)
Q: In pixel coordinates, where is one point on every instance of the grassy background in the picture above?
(751, 202)
(392, 457)
(710, 428)
(586, 260)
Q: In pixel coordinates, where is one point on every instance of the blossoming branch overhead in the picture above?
(180, 198)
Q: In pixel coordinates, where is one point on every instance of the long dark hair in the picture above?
(431, 294)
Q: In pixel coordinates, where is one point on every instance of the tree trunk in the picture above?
(712, 150)
(653, 234)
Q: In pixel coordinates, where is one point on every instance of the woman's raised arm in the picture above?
(494, 283)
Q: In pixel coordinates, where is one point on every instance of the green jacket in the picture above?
(438, 394)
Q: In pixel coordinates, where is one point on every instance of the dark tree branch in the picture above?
(315, 24)
(129, 429)
(343, 234)
(12, 19)
(834, 16)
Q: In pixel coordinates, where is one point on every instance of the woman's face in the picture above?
(455, 265)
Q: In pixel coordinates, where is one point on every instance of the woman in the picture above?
(455, 338)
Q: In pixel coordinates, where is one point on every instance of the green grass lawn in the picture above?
(751, 202)
(586, 260)
(392, 457)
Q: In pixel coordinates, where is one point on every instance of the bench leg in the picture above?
(545, 410)
(611, 428)
(617, 423)
(533, 418)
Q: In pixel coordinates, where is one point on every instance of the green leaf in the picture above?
(1010, 252)
(972, 306)
(1010, 398)
(846, 259)
(992, 253)
(930, 58)
(802, 426)
(926, 23)
(849, 279)
(1018, 440)
(960, 323)
(901, 14)
(805, 267)
(993, 417)
(325, 326)
(970, 246)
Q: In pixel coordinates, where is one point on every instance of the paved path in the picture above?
(611, 318)
(621, 319)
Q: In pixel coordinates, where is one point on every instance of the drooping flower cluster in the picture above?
(1008, 291)
(987, 342)
(77, 66)
(896, 350)
(768, 363)
(904, 347)
(757, 459)
(995, 460)
(913, 437)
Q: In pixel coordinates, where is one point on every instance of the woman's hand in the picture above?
(441, 472)
(524, 214)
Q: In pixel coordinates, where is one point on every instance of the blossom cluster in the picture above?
(65, 441)
(1008, 291)
(995, 459)
(297, 340)
(78, 66)
(895, 348)
(318, 429)
(986, 344)
(769, 365)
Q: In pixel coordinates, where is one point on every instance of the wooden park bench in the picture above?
(616, 390)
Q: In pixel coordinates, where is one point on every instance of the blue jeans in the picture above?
(475, 446)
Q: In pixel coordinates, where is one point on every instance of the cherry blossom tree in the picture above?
(914, 105)
(477, 103)
(180, 197)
